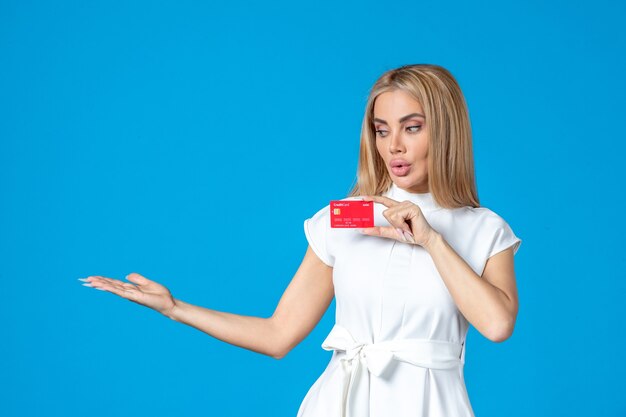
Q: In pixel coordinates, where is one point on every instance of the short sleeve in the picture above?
(503, 238)
(316, 230)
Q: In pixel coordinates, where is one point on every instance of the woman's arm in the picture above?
(489, 302)
(253, 333)
(300, 308)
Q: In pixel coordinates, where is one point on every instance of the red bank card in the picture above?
(351, 213)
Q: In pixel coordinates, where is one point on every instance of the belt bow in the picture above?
(376, 357)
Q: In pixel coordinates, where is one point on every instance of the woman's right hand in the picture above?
(143, 291)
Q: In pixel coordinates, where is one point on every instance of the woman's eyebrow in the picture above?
(402, 119)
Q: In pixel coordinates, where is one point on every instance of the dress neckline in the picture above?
(425, 201)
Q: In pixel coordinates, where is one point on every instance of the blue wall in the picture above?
(119, 122)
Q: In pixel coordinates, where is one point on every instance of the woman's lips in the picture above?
(401, 170)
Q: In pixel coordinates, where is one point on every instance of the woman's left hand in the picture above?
(408, 223)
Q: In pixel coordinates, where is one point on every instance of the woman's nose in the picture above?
(396, 141)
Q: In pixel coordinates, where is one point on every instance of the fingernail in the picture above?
(360, 230)
(401, 234)
(88, 285)
(409, 236)
(83, 279)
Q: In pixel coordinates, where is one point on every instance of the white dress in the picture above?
(398, 341)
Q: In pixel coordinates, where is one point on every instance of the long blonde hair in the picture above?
(451, 178)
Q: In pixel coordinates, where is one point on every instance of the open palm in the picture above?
(141, 290)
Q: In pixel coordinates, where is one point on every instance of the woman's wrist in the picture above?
(433, 239)
(174, 311)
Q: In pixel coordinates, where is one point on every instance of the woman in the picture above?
(406, 289)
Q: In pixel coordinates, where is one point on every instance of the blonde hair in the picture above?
(451, 178)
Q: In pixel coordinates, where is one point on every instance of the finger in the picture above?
(400, 215)
(108, 282)
(103, 286)
(128, 286)
(105, 279)
(93, 280)
(138, 279)
(115, 282)
(389, 202)
(406, 235)
(129, 294)
(120, 284)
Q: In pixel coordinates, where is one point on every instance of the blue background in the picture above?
(188, 141)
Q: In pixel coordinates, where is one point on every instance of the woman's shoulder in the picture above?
(473, 218)
(482, 212)
(486, 222)
(322, 238)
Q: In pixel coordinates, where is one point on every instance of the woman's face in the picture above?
(402, 139)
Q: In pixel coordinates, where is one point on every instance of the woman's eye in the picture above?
(380, 132)
(416, 126)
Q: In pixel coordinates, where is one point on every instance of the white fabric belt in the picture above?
(434, 354)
